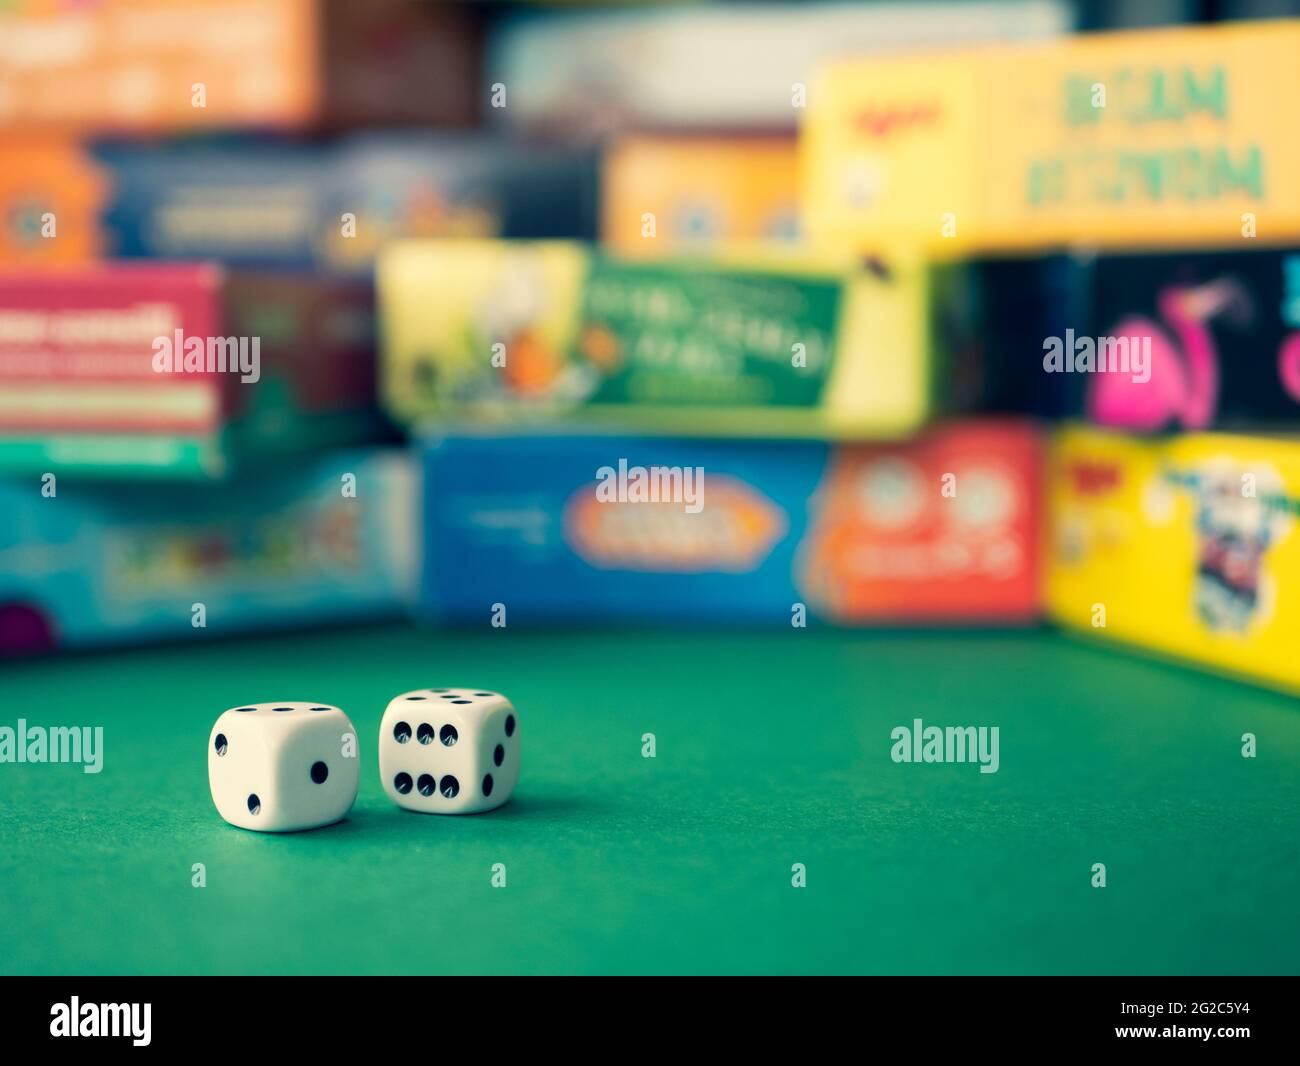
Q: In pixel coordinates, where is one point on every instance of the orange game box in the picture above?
(153, 66)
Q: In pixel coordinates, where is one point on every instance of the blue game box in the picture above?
(533, 527)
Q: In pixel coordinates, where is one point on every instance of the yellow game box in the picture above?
(1170, 136)
(1183, 545)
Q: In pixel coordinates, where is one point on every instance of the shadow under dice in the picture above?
(280, 767)
(449, 750)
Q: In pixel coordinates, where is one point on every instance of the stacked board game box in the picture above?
(284, 204)
(1182, 545)
(536, 527)
(1193, 340)
(752, 347)
(156, 66)
(1145, 341)
(1173, 136)
(737, 66)
(179, 370)
(674, 194)
(90, 563)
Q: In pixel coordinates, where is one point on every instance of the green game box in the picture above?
(763, 346)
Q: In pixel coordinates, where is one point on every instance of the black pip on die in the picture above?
(279, 767)
(449, 750)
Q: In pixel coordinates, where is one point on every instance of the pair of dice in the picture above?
(281, 767)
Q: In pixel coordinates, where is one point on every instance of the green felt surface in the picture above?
(772, 749)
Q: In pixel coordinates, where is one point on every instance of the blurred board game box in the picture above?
(779, 347)
(179, 370)
(1016, 303)
(324, 206)
(1171, 136)
(1145, 342)
(663, 195)
(1193, 340)
(92, 563)
(533, 528)
(710, 66)
(155, 66)
(1183, 545)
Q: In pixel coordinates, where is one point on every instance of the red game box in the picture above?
(175, 370)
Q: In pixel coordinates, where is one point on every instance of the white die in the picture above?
(279, 767)
(449, 750)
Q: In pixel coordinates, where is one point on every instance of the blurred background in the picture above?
(315, 311)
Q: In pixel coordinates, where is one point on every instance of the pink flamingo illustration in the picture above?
(1182, 386)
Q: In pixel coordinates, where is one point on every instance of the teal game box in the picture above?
(97, 563)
